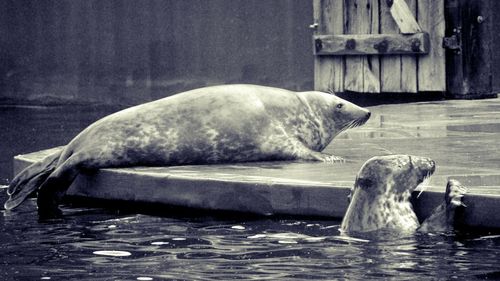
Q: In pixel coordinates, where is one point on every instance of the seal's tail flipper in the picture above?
(29, 180)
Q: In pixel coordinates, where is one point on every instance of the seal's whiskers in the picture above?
(424, 184)
(355, 123)
(348, 125)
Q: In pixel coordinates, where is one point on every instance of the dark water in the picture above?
(32, 128)
(97, 244)
(107, 244)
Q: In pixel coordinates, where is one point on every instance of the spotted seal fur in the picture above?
(380, 199)
(218, 124)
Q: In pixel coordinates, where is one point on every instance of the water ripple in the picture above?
(100, 245)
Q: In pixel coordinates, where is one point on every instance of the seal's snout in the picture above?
(367, 116)
(363, 117)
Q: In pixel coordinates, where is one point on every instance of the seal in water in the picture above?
(218, 124)
(380, 199)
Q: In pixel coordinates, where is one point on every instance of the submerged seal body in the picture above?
(218, 124)
(380, 199)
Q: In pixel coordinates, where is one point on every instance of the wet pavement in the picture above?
(462, 136)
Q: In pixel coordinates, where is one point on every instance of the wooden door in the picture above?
(379, 46)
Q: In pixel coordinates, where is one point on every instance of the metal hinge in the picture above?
(453, 42)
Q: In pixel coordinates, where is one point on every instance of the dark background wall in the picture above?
(131, 51)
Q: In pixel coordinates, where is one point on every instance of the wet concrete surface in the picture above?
(461, 136)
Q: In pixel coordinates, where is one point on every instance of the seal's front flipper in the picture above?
(443, 217)
(455, 191)
(327, 158)
(330, 159)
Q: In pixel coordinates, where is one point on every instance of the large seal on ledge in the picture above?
(380, 199)
(219, 124)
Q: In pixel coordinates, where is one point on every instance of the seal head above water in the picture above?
(219, 124)
(380, 199)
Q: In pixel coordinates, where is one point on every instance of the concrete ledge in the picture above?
(233, 188)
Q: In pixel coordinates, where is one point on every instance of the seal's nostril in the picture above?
(368, 114)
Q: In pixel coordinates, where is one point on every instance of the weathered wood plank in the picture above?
(390, 72)
(431, 68)
(329, 71)
(403, 17)
(372, 44)
(409, 64)
(398, 74)
(362, 73)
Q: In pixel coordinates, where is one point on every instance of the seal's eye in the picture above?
(340, 105)
(364, 183)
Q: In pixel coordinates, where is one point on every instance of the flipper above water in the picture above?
(29, 180)
(443, 216)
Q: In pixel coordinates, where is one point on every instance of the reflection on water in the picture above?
(95, 244)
